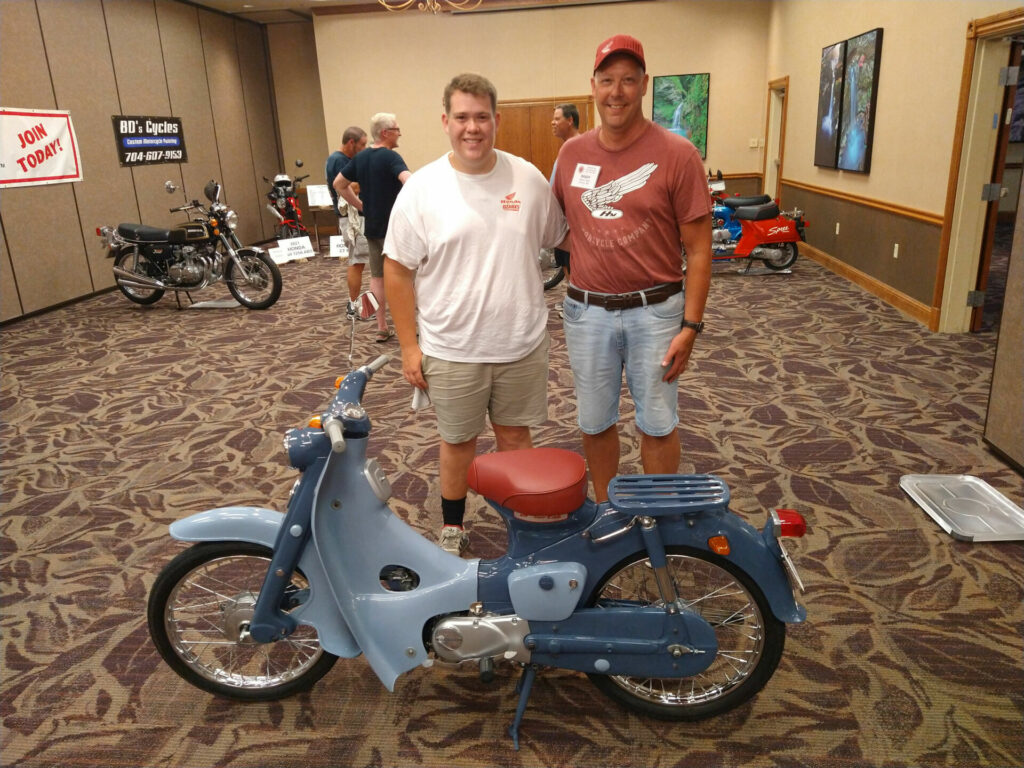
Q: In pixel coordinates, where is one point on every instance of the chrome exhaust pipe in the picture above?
(133, 280)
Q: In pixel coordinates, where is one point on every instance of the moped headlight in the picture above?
(231, 219)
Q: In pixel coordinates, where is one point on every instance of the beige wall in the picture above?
(409, 57)
(918, 90)
(300, 111)
(99, 58)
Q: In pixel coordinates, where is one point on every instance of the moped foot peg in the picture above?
(487, 670)
(523, 689)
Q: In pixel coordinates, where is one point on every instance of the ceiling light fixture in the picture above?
(434, 6)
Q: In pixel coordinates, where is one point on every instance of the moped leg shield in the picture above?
(261, 526)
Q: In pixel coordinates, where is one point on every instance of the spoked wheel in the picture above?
(778, 255)
(258, 284)
(144, 268)
(750, 638)
(200, 609)
(550, 272)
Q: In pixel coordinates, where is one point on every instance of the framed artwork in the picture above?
(830, 105)
(681, 106)
(860, 94)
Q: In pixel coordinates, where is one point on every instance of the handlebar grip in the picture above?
(336, 433)
(377, 364)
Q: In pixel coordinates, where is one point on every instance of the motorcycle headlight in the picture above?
(231, 219)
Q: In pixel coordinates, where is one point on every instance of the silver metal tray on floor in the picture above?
(966, 507)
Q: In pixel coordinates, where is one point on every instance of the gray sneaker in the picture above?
(453, 539)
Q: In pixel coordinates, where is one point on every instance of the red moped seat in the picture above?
(541, 485)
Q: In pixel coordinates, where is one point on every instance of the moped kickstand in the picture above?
(523, 688)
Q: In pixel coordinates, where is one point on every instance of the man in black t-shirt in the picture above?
(380, 173)
(353, 141)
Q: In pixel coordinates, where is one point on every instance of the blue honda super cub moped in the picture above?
(669, 602)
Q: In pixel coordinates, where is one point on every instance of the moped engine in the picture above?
(721, 235)
(470, 638)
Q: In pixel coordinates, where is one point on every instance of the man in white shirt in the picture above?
(462, 247)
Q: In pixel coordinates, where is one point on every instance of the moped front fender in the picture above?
(260, 526)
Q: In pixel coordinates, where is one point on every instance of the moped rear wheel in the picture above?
(750, 638)
(257, 285)
(199, 613)
(779, 255)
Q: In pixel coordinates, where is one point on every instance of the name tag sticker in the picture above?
(585, 176)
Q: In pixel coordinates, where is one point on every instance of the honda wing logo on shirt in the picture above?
(598, 200)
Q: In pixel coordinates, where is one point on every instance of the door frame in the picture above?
(974, 146)
(775, 145)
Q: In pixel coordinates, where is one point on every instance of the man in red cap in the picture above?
(633, 194)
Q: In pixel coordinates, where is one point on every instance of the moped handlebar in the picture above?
(346, 408)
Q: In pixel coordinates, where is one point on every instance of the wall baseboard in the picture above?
(924, 314)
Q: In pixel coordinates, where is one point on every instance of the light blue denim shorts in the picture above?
(602, 344)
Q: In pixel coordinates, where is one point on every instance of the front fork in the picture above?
(269, 620)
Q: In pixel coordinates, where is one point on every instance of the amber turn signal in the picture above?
(719, 545)
(315, 423)
(337, 382)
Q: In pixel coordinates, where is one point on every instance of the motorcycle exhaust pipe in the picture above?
(274, 211)
(133, 280)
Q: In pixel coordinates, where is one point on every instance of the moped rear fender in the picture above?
(260, 526)
(611, 538)
(755, 233)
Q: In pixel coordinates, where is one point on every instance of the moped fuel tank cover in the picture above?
(966, 507)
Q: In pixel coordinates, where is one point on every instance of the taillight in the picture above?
(789, 523)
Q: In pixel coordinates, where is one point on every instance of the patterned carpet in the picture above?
(805, 391)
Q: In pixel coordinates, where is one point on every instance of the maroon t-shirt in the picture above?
(625, 207)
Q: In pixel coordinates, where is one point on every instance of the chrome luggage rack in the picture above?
(653, 494)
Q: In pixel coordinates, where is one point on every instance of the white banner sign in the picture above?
(291, 249)
(338, 248)
(318, 197)
(37, 147)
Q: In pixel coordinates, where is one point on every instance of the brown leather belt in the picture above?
(611, 301)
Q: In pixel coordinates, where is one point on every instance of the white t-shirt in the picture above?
(474, 241)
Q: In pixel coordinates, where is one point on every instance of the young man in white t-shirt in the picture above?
(462, 248)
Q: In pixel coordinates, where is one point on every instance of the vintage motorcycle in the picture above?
(673, 605)
(283, 206)
(148, 261)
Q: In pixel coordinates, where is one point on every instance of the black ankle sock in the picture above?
(453, 510)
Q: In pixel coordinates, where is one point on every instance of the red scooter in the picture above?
(753, 227)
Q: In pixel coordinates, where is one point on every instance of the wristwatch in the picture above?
(698, 327)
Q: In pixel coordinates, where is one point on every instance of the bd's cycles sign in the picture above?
(147, 140)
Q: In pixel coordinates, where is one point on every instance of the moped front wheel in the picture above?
(779, 255)
(200, 609)
(750, 638)
(257, 285)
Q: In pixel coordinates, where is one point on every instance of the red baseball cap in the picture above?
(619, 44)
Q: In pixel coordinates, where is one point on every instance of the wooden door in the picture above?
(525, 128)
(992, 214)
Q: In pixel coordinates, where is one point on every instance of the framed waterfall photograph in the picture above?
(860, 95)
(681, 106)
(830, 105)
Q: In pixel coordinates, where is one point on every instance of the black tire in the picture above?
(551, 274)
(203, 640)
(258, 284)
(750, 638)
(144, 268)
(783, 255)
